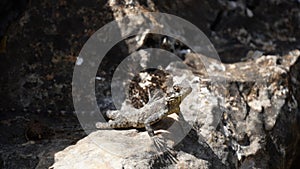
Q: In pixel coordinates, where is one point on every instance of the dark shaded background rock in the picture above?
(43, 45)
(234, 32)
(43, 39)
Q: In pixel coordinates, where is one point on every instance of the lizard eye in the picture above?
(176, 88)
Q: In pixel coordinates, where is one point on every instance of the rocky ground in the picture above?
(40, 41)
(245, 122)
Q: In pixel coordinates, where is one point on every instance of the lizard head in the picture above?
(175, 97)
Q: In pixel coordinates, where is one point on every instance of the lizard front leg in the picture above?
(159, 143)
(153, 119)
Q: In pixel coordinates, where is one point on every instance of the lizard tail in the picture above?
(112, 114)
(100, 125)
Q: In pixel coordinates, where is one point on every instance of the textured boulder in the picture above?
(246, 118)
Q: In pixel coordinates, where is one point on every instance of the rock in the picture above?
(39, 50)
(248, 122)
(262, 106)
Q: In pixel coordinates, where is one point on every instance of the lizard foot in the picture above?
(165, 154)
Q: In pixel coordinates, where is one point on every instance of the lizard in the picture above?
(156, 110)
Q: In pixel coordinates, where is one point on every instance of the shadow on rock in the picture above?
(195, 145)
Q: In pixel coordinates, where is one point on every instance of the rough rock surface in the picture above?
(245, 119)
